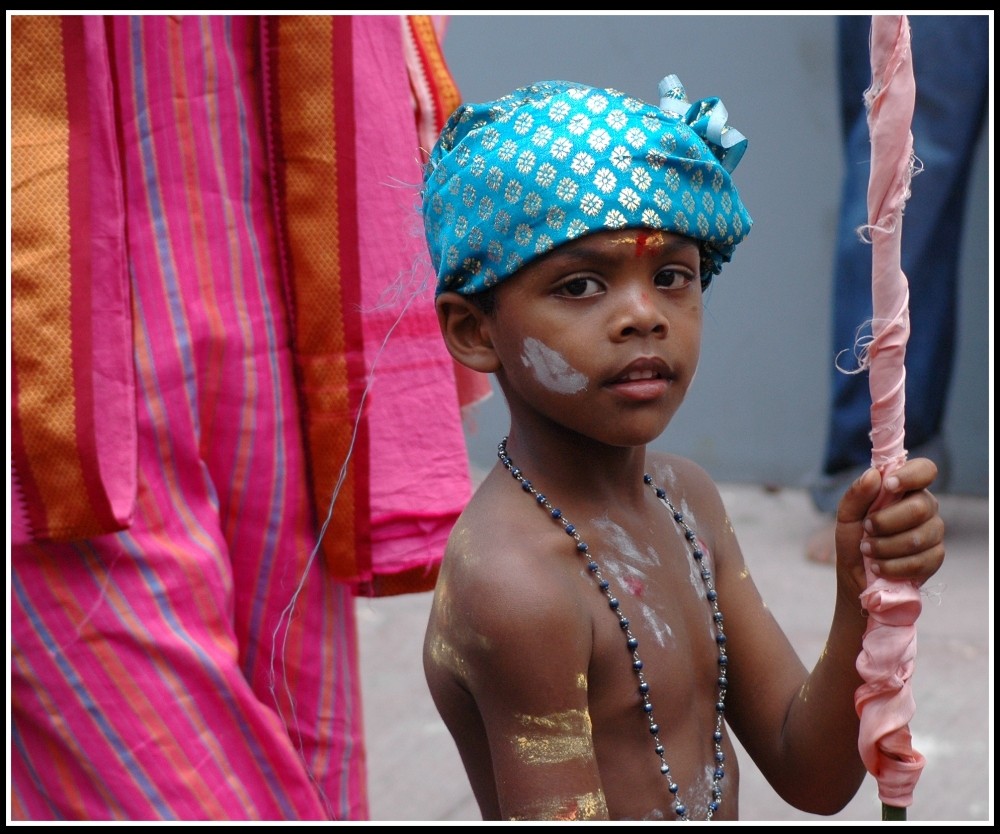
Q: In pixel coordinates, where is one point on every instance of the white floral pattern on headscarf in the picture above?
(511, 179)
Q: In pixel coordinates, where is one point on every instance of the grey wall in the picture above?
(757, 409)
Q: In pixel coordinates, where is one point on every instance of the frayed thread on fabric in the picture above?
(864, 338)
(864, 346)
(403, 284)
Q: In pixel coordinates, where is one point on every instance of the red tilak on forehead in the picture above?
(640, 242)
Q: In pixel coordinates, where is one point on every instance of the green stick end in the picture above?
(890, 813)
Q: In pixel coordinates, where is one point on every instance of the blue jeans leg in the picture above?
(951, 68)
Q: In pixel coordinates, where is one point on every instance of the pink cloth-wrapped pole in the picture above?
(885, 701)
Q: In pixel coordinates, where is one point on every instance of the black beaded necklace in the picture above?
(633, 644)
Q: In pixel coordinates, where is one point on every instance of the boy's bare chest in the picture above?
(658, 587)
(659, 590)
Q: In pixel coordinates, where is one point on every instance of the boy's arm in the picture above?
(802, 728)
(525, 665)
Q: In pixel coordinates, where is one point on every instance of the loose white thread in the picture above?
(286, 614)
(864, 338)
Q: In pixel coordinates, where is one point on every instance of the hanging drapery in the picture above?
(380, 396)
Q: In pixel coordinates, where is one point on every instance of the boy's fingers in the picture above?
(914, 566)
(904, 514)
(913, 540)
(858, 499)
(915, 474)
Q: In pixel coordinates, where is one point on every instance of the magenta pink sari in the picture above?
(179, 647)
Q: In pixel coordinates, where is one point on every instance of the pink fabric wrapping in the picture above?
(885, 701)
(416, 440)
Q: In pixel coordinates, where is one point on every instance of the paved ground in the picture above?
(416, 776)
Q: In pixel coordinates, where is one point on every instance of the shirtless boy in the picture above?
(596, 635)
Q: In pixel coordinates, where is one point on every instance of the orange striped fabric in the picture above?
(436, 96)
(344, 188)
(73, 397)
(435, 93)
(311, 112)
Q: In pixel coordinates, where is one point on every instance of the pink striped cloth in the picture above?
(160, 673)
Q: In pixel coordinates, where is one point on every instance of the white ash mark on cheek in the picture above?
(551, 370)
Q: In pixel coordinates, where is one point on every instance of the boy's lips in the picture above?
(643, 379)
(646, 367)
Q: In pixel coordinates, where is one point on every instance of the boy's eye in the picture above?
(672, 279)
(580, 287)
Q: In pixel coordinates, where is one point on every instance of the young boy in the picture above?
(595, 632)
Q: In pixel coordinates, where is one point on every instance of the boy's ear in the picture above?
(466, 332)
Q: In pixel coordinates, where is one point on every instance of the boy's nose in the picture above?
(640, 315)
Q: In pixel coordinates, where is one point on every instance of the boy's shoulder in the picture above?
(681, 477)
(511, 573)
(691, 489)
(499, 534)
(508, 555)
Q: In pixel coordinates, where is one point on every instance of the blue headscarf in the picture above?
(511, 179)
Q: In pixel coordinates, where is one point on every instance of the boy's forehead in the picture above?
(620, 243)
(643, 240)
(637, 241)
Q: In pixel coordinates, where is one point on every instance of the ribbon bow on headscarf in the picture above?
(708, 118)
